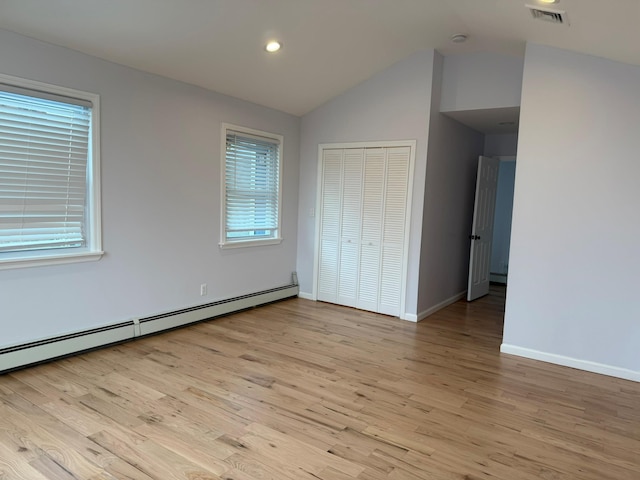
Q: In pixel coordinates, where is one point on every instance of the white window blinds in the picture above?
(252, 187)
(44, 153)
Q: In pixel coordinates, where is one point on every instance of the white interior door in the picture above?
(393, 230)
(330, 211)
(482, 229)
(350, 221)
(371, 238)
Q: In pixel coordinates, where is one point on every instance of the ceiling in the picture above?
(328, 45)
(489, 120)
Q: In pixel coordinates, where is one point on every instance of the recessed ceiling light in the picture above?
(547, 1)
(273, 46)
(459, 38)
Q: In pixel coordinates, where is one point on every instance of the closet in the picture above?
(363, 227)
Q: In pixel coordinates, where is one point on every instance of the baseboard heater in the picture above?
(26, 354)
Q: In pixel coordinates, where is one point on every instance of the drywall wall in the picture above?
(473, 81)
(160, 201)
(392, 105)
(452, 163)
(574, 263)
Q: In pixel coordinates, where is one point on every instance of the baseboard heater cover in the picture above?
(26, 354)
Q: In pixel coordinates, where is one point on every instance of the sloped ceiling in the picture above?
(328, 45)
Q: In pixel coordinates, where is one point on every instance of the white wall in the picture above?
(452, 163)
(160, 202)
(475, 81)
(392, 105)
(575, 258)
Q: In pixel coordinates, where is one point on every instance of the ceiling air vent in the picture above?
(549, 15)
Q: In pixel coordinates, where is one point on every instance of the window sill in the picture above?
(40, 260)
(249, 243)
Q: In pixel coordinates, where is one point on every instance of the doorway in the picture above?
(499, 267)
(493, 263)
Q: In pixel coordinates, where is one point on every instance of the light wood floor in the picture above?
(305, 391)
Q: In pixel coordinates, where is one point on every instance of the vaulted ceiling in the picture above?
(328, 45)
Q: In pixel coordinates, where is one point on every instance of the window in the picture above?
(250, 187)
(49, 183)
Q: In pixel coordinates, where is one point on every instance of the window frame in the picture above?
(245, 242)
(93, 226)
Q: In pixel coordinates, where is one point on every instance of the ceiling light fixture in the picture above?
(273, 46)
(548, 2)
(459, 38)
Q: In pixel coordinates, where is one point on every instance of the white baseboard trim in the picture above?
(445, 303)
(586, 365)
(30, 353)
(409, 317)
(306, 296)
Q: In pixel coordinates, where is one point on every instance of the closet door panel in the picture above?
(369, 278)
(373, 195)
(351, 215)
(328, 270)
(391, 280)
(348, 274)
(396, 196)
(350, 220)
(331, 210)
(393, 230)
(372, 208)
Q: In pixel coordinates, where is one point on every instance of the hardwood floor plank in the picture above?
(149, 457)
(299, 390)
(15, 459)
(253, 466)
(284, 449)
(36, 432)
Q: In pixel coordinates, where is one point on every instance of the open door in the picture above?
(482, 229)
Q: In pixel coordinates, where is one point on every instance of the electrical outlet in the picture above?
(203, 289)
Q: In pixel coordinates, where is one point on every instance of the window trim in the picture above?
(228, 244)
(93, 251)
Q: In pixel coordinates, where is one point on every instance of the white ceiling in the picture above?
(328, 45)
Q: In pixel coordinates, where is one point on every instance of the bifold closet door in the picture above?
(363, 206)
(350, 226)
(393, 230)
(330, 219)
(371, 237)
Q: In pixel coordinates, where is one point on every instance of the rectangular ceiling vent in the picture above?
(549, 15)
